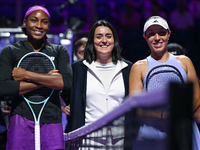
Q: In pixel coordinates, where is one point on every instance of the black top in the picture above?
(9, 58)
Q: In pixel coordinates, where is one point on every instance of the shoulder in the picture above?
(18, 44)
(182, 58)
(78, 63)
(140, 67)
(140, 64)
(56, 47)
(57, 50)
(184, 61)
(12, 47)
(79, 68)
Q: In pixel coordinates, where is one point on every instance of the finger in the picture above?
(55, 71)
(68, 113)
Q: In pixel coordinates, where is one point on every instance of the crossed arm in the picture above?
(13, 80)
(52, 80)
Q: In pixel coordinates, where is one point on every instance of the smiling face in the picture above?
(157, 38)
(37, 25)
(104, 44)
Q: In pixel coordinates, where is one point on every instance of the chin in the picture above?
(39, 39)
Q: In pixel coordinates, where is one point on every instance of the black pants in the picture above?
(3, 139)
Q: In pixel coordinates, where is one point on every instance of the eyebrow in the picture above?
(45, 18)
(106, 34)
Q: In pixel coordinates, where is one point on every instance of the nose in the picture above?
(104, 39)
(39, 24)
(157, 37)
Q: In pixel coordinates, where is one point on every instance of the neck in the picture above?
(161, 58)
(36, 45)
(104, 60)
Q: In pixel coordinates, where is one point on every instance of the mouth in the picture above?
(104, 46)
(38, 32)
(159, 44)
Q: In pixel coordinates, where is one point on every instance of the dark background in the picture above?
(127, 16)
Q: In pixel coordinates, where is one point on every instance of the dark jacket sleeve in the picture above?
(65, 94)
(8, 86)
(77, 95)
(126, 72)
(64, 66)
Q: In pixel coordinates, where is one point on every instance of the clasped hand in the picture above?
(18, 74)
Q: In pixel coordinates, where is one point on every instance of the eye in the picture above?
(45, 22)
(98, 36)
(109, 36)
(150, 34)
(33, 20)
(162, 33)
